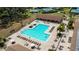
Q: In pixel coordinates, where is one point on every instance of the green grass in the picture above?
(58, 14)
(6, 32)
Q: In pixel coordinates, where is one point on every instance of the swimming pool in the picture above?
(38, 32)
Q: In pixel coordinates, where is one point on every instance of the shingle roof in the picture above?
(50, 17)
(30, 19)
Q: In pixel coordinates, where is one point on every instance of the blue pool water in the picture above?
(37, 32)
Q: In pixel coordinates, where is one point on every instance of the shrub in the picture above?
(2, 42)
(51, 50)
(59, 34)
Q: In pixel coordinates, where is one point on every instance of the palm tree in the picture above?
(67, 12)
(61, 27)
(71, 14)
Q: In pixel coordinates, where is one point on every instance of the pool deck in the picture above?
(44, 45)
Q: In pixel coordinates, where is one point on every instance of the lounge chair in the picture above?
(30, 26)
(13, 42)
(34, 24)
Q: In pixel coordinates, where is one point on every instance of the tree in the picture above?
(71, 15)
(61, 27)
(41, 12)
(70, 24)
(66, 10)
(8, 15)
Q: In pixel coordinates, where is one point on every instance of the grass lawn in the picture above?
(58, 14)
(6, 32)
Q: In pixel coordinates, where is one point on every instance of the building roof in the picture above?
(74, 38)
(44, 9)
(30, 19)
(76, 10)
(17, 47)
(49, 17)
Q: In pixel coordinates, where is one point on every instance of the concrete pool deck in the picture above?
(44, 45)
